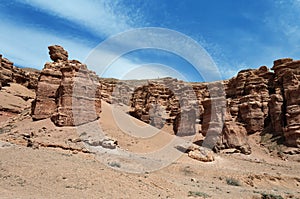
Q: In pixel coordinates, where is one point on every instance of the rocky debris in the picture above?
(202, 154)
(292, 151)
(107, 143)
(67, 91)
(5, 144)
(234, 135)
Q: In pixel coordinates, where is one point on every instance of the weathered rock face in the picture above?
(67, 91)
(10, 73)
(285, 102)
(75, 96)
(250, 92)
(45, 103)
(257, 100)
(6, 74)
(166, 101)
(107, 88)
(26, 77)
(152, 103)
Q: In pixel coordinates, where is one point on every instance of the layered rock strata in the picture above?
(67, 91)
(10, 73)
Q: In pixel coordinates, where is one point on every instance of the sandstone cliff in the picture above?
(256, 101)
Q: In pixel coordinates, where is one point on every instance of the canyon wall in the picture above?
(256, 101)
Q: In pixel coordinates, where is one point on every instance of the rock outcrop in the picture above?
(67, 91)
(166, 101)
(58, 53)
(257, 100)
(285, 102)
(10, 73)
(6, 74)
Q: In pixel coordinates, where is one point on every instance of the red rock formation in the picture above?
(6, 74)
(45, 103)
(58, 53)
(287, 89)
(10, 73)
(67, 91)
(250, 92)
(257, 100)
(78, 96)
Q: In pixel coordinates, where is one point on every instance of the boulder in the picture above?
(202, 154)
(58, 53)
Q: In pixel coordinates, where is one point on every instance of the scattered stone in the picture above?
(109, 143)
(202, 154)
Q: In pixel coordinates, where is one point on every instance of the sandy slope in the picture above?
(62, 171)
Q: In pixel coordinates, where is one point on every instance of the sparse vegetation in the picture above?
(198, 194)
(187, 170)
(270, 196)
(114, 164)
(272, 143)
(233, 182)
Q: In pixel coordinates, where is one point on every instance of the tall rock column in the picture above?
(45, 103)
(67, 92)
(287, 84)
(78, 96)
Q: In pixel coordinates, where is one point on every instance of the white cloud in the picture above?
(28, 46)
(131, 70)
(102, 17)
(284, 19)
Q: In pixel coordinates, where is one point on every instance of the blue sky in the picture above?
(237, 34)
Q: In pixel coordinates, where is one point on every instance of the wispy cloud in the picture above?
(102, 17)
(283, 23)
(26, 45)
